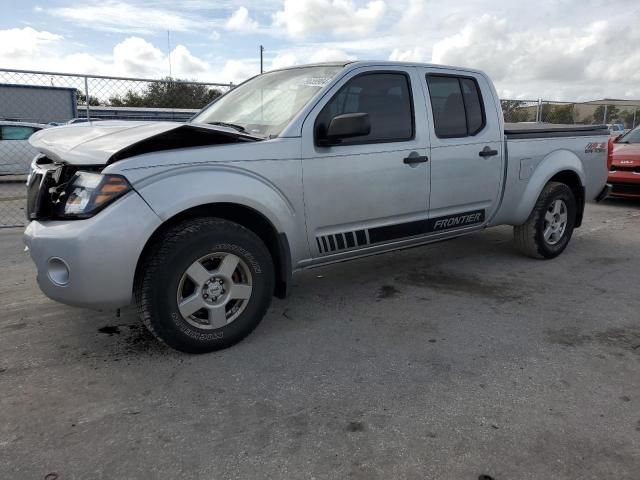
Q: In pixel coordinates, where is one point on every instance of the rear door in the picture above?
(368, 191)
(466, 148)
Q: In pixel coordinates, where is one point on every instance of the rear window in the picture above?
(457, 106)
(16, 132)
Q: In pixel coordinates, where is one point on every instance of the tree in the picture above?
(81, 99)
(627, 117)
(168, 93)
(612, 112)
(516, 111)
(557, 113)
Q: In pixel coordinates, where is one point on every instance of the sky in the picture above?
(553, 49)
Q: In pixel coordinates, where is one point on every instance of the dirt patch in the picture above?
(567, 337)
(387, 291)
(620, 338)
(109, 329)
(624, 338)
(448, 282)
(355, 427)
(14, 326)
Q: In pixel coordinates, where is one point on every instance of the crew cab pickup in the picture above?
(201, 223)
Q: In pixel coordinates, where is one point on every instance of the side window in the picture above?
(457, 106)
(16, 133)
(386, 97)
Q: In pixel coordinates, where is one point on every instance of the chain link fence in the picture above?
(623, 112)
(30, 101)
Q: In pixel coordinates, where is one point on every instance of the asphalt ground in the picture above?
(449, 361)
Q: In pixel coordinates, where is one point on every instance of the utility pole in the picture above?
(169, 50)
(261, 63)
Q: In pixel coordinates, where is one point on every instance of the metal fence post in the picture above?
(604, 120)
(86, 96)
(539, 111)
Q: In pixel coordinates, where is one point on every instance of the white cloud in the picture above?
(301, 18)
(566, 62)
(40, 50)
(283, 60)
(185, 63)
(241, 22)
(119, 16)
(415, 54)
(553, 49)
(137, 57)
(236, 71)
(329, 55)
(20, 42)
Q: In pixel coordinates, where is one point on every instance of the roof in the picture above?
(39, 87)
(380, 63)
(10, 123)
(613, 101)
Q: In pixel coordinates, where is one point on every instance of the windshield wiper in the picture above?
(240, 128)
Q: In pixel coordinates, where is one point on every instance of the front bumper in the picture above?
(99, 253)
(625, 184)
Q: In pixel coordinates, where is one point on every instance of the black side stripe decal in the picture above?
(419, 227)
(334, 242)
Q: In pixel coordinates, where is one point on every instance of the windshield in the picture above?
(631, 137)
(266, 104)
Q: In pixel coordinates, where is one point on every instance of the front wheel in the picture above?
(547, 231)
(205, 285)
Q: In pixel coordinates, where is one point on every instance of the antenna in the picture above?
(169, 50)
(261, 52)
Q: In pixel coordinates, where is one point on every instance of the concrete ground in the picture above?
(450, 361)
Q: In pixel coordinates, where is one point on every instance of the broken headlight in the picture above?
(88, 193)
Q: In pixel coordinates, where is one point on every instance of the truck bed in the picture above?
(545, 130)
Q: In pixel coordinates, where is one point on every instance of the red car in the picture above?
(624, 165)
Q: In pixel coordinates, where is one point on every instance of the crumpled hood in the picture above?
(99, 143)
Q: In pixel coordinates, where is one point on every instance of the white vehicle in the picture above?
(15, 151)
(616, 129)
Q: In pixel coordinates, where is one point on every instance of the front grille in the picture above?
(626, 188)
(40, 192)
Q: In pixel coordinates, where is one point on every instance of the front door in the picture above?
(369, 190)
(466, 149)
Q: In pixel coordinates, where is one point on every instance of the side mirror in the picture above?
(347, 125)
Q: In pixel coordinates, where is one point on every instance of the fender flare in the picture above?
(556, 162)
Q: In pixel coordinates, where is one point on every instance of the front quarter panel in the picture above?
(265, 176)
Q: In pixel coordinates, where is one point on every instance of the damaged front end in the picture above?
(49, 186)
(66, 180)
(185, 136)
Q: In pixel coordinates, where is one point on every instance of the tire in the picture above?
(214, 264)
(530, 237)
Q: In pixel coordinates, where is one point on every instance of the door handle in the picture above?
(413, 160)
(487, 152)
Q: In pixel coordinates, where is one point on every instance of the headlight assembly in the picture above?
(88, 193)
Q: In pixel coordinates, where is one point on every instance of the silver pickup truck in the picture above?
(202, 223)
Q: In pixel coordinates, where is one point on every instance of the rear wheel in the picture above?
(547, 231)
(205, 285)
